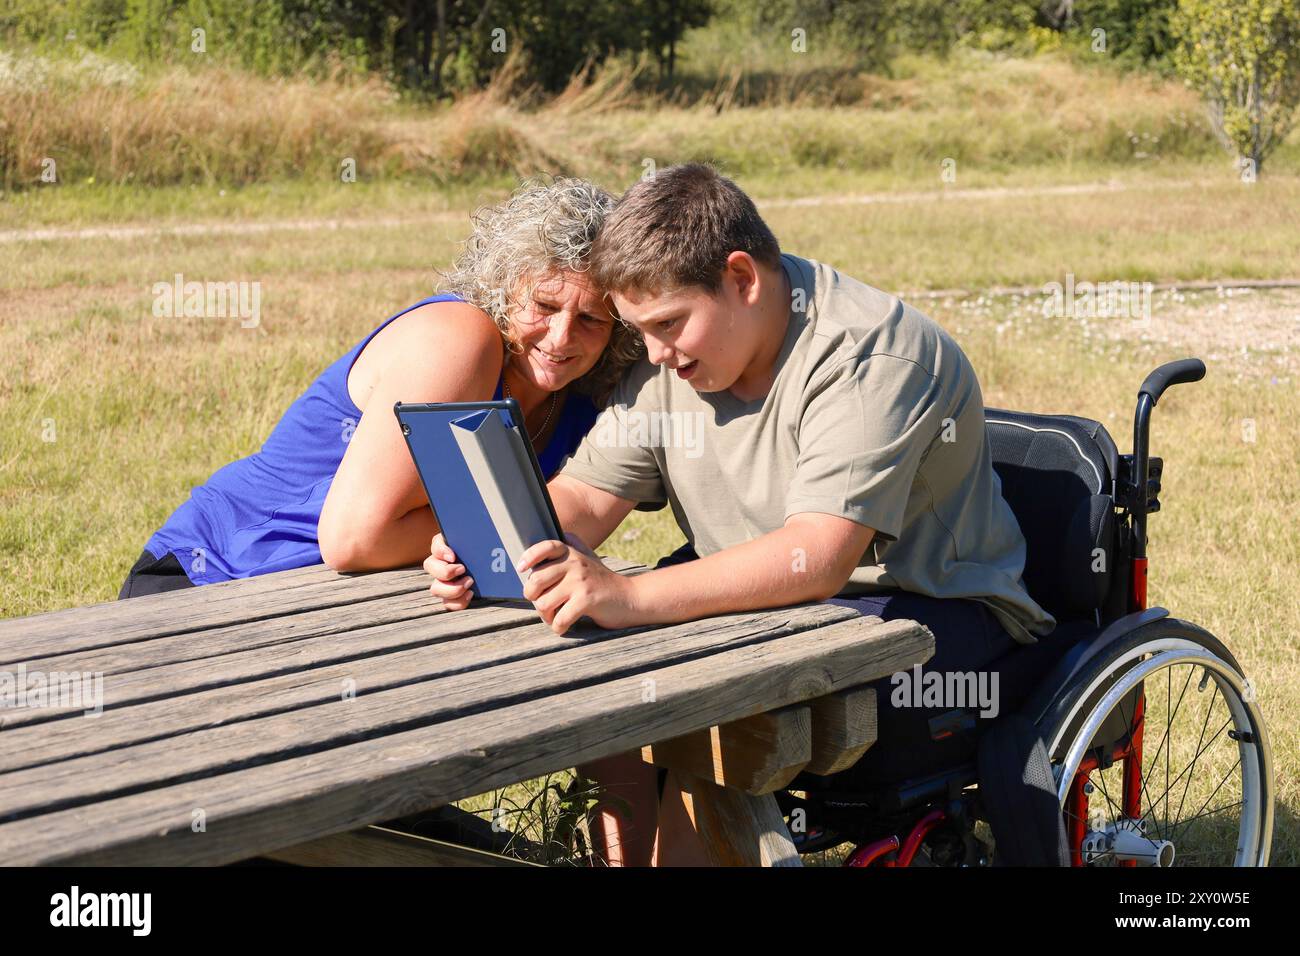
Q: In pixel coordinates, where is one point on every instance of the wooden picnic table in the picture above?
(285, 715)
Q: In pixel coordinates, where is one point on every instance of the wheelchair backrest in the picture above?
(1057, 474)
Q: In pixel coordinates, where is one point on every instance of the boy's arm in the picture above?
(590, 513)
(808, 559)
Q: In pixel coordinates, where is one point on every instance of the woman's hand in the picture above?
(449, 579)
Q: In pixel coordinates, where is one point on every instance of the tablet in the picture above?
(485, 487)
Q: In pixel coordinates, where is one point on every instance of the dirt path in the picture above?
(214, 228)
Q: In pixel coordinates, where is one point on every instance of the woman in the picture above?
(335, 482)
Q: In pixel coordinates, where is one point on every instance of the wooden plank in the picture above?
(230, 703)
(268, 656)
(212, 642)
(432, 683)
(756, 755)
(173, 700)
(192, 609)
(235, 638)
(255, 810)
(739, 829)
(843, 729)
(213, 605)
(379, 846)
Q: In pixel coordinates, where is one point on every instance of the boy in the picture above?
(841, 448)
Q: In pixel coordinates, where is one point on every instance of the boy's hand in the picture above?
(449, 579)
(569, 581)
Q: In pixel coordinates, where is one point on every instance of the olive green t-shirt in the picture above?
(874, 415)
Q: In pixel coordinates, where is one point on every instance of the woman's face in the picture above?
(563, 327)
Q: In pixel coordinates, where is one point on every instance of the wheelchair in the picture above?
(1139, 777)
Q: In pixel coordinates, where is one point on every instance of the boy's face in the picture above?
(703, 336)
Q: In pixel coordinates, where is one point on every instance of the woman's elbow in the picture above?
(340, 551)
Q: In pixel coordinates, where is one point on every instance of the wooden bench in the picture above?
(287, 715)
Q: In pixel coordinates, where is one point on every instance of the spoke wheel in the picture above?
(1161, 758)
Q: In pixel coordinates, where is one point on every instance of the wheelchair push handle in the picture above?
(1140, 493)
(1182, 372)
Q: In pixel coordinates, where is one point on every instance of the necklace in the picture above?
(546, 421)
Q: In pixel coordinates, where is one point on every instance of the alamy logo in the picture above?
(624, 429)
(948, 689)
(73, 689)
(1097, 300)
(103, 909)
(208, 300)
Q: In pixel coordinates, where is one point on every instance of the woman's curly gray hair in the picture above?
(545, 227)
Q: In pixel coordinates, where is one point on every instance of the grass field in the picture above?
(108, 415)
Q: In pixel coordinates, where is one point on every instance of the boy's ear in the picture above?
(607, 300)
(742, 270)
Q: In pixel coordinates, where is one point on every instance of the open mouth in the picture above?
(686, 371)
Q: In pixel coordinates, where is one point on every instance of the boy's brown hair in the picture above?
(676, 229)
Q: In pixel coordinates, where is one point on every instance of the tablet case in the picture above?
(484, 485)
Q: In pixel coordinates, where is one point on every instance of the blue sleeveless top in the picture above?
(259, 514)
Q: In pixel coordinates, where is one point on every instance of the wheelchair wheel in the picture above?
(1160, 755)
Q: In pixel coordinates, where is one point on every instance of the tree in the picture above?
(449, 33)
(1135, 29)
(1244, 58)
(858, 25)
(659, 24)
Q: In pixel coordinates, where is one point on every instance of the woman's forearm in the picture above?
(398, 544)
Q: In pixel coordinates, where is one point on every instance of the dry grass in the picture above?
(218, 125)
